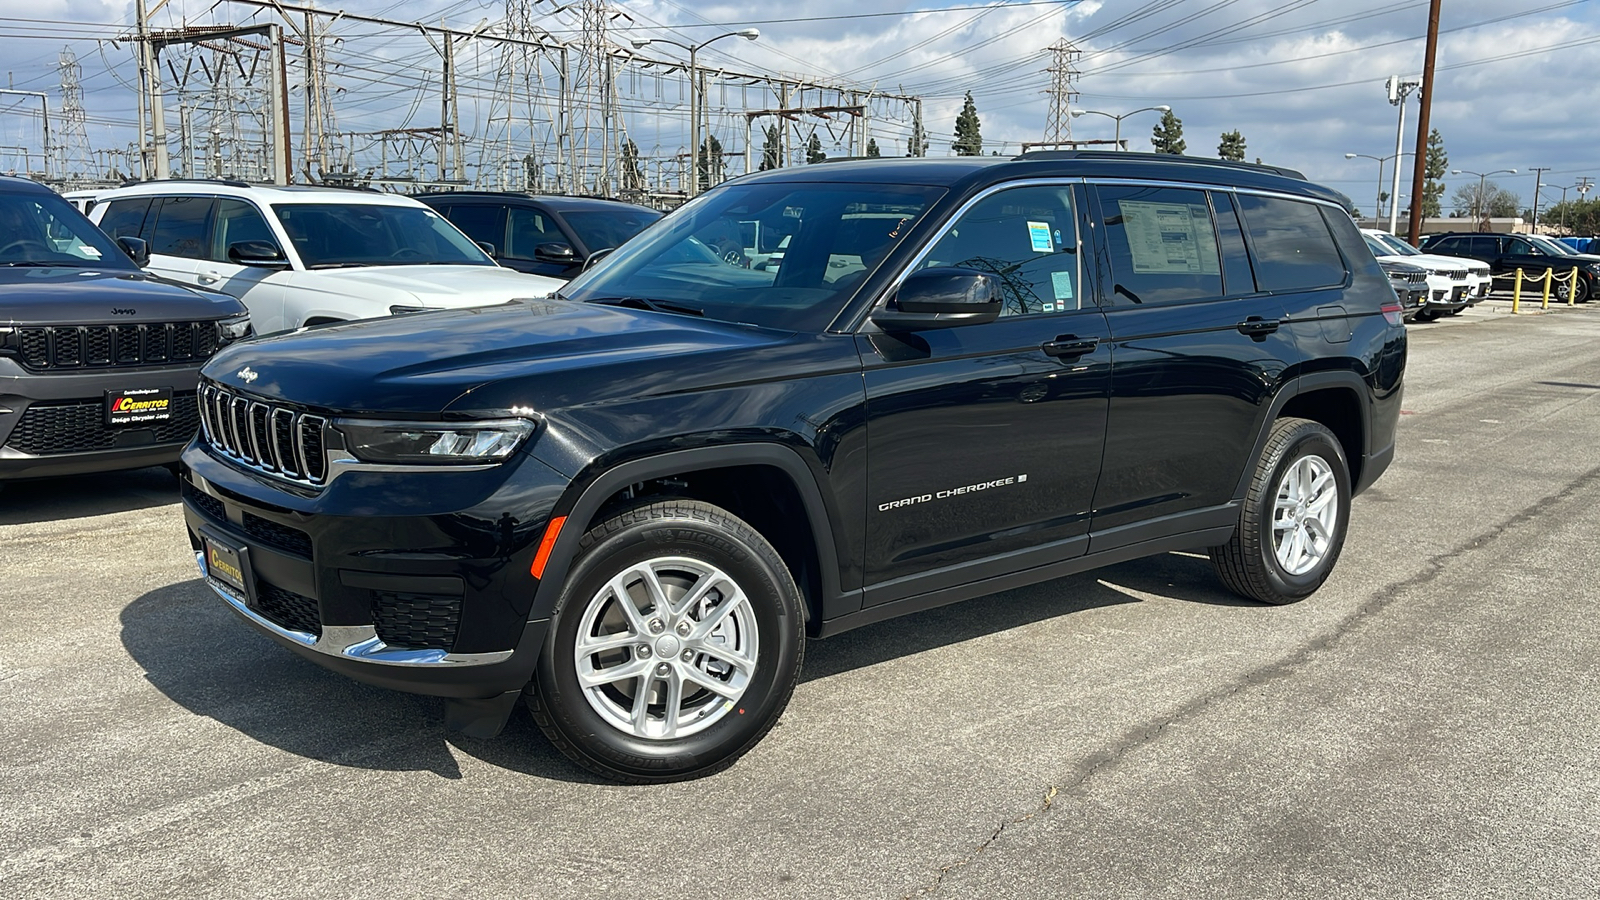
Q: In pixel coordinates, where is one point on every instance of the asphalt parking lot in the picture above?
(1422, 727)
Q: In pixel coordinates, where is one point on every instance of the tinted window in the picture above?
(599, 229)
(528, 229)
(238, 221)
(43, 230)
(330, 235)
(1025, 236)
(1163, 245)
(1294, 250)
(180, 228)
(1237, 274)
(125, 218)
(481, 222)
(1478, 246)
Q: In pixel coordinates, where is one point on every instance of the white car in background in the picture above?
(305, 255)
(1479, 281)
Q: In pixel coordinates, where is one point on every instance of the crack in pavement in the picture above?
(1284, 667)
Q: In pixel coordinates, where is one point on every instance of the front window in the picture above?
(1552, 248)
(333, 235)
(602, 229)
(1027, 238)
(1396, 246)
(44, 230)
(818, 243)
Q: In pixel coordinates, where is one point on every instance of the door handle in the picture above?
(1255, 326)
(1069, 346)
(209, 277)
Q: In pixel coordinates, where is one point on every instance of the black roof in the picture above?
(13, 184)
(557, 202)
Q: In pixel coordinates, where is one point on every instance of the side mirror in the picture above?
(486, 247)
(596, 257)
(556, 252)
(137, 250)
(941, 297)
(264, 254)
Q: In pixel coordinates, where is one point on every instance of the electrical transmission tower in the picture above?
(1063, 57)
(74, 160)
(593, 117)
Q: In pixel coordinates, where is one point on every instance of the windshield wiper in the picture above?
(48, 265)
(343, 265)
(645, 303)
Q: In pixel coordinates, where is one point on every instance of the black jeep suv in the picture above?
(1534, 254)
(632, 503)
(98, 361)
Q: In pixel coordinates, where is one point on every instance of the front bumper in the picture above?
(415, 582)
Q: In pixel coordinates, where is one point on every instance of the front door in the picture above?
(985, 440)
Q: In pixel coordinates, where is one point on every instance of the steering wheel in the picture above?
(405, 253)
(25, 243)
(736, 258)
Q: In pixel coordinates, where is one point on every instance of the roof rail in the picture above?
(1159, 157)
(231, 182)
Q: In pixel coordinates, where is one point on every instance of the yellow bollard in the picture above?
(1549, 275)
(1572, 292)
(1516, 293)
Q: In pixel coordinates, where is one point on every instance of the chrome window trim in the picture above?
(966, 206)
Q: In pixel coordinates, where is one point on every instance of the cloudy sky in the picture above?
(1303, 80)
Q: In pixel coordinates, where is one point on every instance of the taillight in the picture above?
(1395, 313)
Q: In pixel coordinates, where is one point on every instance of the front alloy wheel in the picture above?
(674, 646)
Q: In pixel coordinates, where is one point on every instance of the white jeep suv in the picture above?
(1479, 281)
(303, 255)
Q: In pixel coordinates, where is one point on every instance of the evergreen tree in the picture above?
(1167, 137)
(872, 149)
(710, 162)
(771, 150)
(1433, 172)
(1232, 146)
(632, 172)
(969, 131)
(814, 152)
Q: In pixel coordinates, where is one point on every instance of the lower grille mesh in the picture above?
(79, 427)
(296, 612)
(416, 621)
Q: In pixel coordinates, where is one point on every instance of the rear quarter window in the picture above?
(1294, 249)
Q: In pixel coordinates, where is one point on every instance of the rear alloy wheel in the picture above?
(1292, 526)
(674, 647)
(1563, 288)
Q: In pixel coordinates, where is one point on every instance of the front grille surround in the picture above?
(270, 437)
(78, 348)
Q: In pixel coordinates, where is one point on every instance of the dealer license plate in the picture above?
(225, 565)
(140, 406)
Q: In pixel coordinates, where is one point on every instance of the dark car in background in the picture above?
(1532, 253)
(98, 360)
(542, 235)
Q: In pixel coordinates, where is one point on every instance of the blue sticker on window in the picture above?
(1039, 235)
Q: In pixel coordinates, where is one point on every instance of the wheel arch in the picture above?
(1333, 399)
(773, 470)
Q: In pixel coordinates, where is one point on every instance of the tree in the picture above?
(969, 131)
(632, 172)
(872, 149)
(1434, 168)
(1495, 202)
(1167, 137)
(919, 138)
(1578, 216)
(772, 149)
(1232, 146)
(814, 152)
(710, 162)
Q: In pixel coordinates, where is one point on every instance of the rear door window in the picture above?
(125, 218)
(1163, 245)
(1294, 250)
(484, 223)
(1478, 246)
(181, 227)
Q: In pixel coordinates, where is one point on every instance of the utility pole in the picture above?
(1538, 177)
(1398, 89)
(1058, 126)
(1420, 168)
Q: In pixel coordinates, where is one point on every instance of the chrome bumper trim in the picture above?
(357, 642)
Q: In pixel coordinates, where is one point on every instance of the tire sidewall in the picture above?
(776, 610)
(1309, 439)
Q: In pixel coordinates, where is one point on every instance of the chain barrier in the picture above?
(1547, 279)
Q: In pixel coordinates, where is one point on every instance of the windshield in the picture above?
(604, 229)
(44, 230)
(1396, 246)
(1553, 248)
(1377, 247)
(780, 254)
(332, 235)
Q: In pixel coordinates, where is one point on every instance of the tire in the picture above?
(1302, 472)
(1456, 312)
(731, 658)
(1561, 290)
(1427, 315)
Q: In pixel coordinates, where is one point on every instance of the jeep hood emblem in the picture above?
(249, 375)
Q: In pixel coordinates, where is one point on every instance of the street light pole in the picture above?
(1118, 139)
(695, 98)
(1477, 202)
(1377, 209)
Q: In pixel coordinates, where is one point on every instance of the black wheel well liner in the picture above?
(736, 477)
(1331, 398)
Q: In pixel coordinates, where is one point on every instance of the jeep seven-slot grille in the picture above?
(270, 437)
(79, 347)
(80, 427)
(1456, 274)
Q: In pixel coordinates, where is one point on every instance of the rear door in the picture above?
(1199, 351)
(179, 231)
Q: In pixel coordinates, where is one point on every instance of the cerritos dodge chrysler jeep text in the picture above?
(633, 502)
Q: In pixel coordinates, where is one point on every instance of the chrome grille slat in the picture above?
(269, 437)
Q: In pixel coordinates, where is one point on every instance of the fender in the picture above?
(1294, 387)
(833, 602)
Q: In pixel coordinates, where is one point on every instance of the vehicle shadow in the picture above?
(73, 496)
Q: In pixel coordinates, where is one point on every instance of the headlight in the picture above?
(1593, 267)
(234, 328)
(8, 339)
(460, 443)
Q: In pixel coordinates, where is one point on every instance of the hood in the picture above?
(87, 296)
(446, 286)
(1452, 262)
(543, 354)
